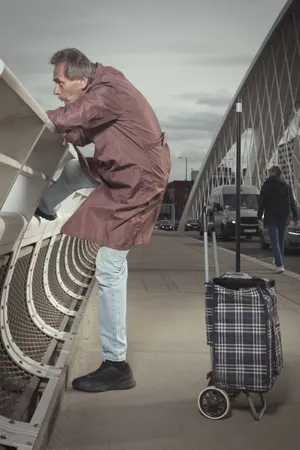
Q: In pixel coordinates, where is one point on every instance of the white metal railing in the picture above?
(45, 277)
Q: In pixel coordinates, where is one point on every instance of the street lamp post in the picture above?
(238, 186)
(186, 176)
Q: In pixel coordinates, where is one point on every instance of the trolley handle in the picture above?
(209, 223)
(208, 217)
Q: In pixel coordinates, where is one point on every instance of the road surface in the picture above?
(252, 248)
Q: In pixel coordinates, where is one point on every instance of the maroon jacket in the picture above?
(131, 161)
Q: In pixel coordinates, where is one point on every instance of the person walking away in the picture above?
(128, 172)
(275, 202)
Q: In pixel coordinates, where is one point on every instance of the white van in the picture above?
(223, 202)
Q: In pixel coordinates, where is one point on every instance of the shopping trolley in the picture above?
(243, 332)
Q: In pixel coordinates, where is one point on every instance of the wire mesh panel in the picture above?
(78, 261)
(4, 261)
(44, 308)
(27, 337)
(88, 260)
(78, 276)
(68, 282)
(55, 288)
(93, 249)
(13, 380)
(89, 253)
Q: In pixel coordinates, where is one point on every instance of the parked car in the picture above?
(192, 225)
(291, 236)
(166, 225)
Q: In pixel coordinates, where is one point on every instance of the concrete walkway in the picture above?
(170, 359)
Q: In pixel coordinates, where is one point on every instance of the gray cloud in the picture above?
(220, 98)
(223, 60)
(185, 44)
(203, 122)
(186, 135)
(196, 156)
(191, 135)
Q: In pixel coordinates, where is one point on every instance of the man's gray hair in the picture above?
(77, 65)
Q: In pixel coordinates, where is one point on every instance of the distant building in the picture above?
(288, 159)
(166, 211)
(225, 175)
(176, 194)
(285, 158)
(194, 174)
(178, 191)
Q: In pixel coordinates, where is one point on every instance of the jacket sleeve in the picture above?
(77, 137)
(261, 203)
(293, 205)
(95, 108)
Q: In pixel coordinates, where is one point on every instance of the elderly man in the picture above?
(129, 173)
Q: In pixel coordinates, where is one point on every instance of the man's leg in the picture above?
(274, 237)
(114, 373)
(282, 223)
(71, 179)
(112, 274)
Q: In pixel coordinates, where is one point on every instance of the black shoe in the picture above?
(49, 217)
(111, 376)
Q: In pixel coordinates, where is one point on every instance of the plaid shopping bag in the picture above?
(243, 328)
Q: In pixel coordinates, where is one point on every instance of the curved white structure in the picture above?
(270, 96)
(44, 286)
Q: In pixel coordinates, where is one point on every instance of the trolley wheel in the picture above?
(213, 403)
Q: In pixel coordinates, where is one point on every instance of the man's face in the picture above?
(67, 91)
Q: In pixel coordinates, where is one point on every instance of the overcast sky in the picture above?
(186, 56)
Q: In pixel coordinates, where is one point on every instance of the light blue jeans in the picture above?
(111, 267)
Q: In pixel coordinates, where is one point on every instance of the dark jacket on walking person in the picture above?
(276, 200)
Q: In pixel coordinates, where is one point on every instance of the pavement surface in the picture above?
(168, 353)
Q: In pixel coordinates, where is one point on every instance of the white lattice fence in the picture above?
(45, 277)
(270, 98)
